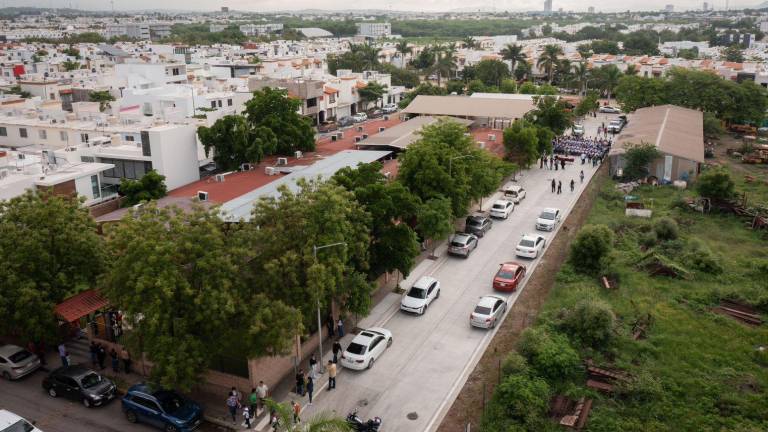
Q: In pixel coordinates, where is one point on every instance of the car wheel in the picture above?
(423, 310)
(131, 416)
(6, 375)
(390, 341)
(52, 392)
(171, 428)
(370, 364)
(86, 403)
(437, 296)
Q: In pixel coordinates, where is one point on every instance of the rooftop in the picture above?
(404, 134)
(672, 129)
(466, 106)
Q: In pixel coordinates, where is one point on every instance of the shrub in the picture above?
(591, 249)
(698, 257)
(514, 364)
(643, 387)
(549, 354)
(648, 239)
(716, 183)
(591, 322)
(524, 398)
(638, 157)
(666, 228)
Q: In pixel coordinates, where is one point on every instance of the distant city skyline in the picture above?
(395, 5)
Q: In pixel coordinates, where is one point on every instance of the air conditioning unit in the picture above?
(340, 135)
(136, 208)
(381, 129)
(282, 161)
(202, 195)
(246, 167)
(298, 154)
(270, 171)
(219, 178)
(491, 137)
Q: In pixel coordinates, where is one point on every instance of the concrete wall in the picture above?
(174, 154)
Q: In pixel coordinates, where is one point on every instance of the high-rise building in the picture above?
(225, 9)
(548, 6)
(669, 8)
(591, 9)
(374, 30)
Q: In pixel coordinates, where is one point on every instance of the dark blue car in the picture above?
(163, 409)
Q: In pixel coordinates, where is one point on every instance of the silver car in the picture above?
(462, 244)
(16, 362)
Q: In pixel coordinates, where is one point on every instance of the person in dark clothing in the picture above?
(556, 165)
(300, 382)
(310, 388)
(554, 185)
(336, 351)
(572, 184)
(331, 324)
(115, 360)
(101, 354)
(562, 163)
(581, 176)
(559, 187)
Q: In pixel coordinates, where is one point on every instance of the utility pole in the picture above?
(316, 248)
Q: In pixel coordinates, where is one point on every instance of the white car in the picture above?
(389, 108)
(360, 117)
(548, 219)
(530, 246)
(577, 130)
(420, 295)
(502, 208)
(10, 422)
(366, 348)
(609, 110)
(514, 193)
(488, 311)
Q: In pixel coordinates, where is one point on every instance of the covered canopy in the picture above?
(80, 305)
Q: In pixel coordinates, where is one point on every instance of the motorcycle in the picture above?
(358, 425)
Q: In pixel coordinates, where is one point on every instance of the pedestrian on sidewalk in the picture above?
(253, 402)
(247, 417)
(313, 366)
(126, 356)
(581, 176)
(115, 360)
(573, 183)
(554, 185)
(330, 323)
(559, 187)
(310, 388)
(541, 162)
(556, 165)
(101, 354)
(63, 354)
(300, 382)
(562, 164)
(331, 375)
(94, 350)
(336, 351)
(296, 411)
(232, 405)
(261, 391)
(340, 328)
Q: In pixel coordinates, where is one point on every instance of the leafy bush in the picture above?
(637, 158)
(648, 239)
(514, 363)
(590, 251)
(643, 387)
(716, 183)
(700, 258)
(524, 398)
(590, 321)
(666, 229)
(549, 354)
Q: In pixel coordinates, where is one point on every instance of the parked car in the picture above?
(16, 362)
(420, 295)
(509, 276)
(360, 117)
(502, 208)
(346, 121)
(377, 113)
(609, 109)
(164, 409)
(79, 383)
(548, 219)
(488, 311)
(514, 193)
(616, 125)
(366, 348)
(478, 225)
(530, 246)
(10, 422)
(462, 244)
(389, 108)
(577, 130)
(328, 126)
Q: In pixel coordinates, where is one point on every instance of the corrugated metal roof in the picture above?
(672, 129)
(80, 305)
(465, 106)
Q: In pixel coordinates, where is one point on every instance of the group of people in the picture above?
(256, 402)
(99, 355)
(578, 145)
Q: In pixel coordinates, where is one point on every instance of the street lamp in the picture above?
(316, 248)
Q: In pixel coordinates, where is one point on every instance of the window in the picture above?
(84, 137)
(130, 138)
(175, 71)
(146, 403)
(3, 131)
(311, 102)
(332, 98)
(63, 135)
(87, 159)
(23, 132)
(42, 133)
(126, 168)
(95, 186)
(229, 102)
(213, 104)
(52, 96)
(219, 104)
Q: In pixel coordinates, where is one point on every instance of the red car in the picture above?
(508, 277)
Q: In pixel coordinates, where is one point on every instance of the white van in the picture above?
(10, 422)
(514, 192)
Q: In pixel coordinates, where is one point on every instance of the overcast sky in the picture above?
(411, 5)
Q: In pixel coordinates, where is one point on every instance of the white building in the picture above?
(148, 75)
(260, 29)
(374, 30)
(138, 30)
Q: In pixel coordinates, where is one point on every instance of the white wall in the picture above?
(174, 154)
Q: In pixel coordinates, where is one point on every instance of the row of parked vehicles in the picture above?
(360, 117)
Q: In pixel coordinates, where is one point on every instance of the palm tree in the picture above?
(445, 63)
(631, 70)
(563, 72)
(610, 75)
(322, 422)
(581, 76)
(403, 50)
(514, 53)
(470, 42)
(367, 55)
(548, 60)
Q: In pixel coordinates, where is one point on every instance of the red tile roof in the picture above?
(80, 305)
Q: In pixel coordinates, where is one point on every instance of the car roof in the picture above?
(9, 350)
(424, 282)
(513, 187)
(72, 371)
(533, 237)
(551, 209)
(489, 300)
(462, 236)
(510, 266)
(477, 217)
(8, 418)
(502, 202)
(142, 388)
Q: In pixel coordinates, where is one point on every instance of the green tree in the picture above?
(455, 86)
(476, 86)
(587, 104)
(70, 65)
(103, 97)
(521, 142)
(179, 281)
(638, 157)
(548, 60)
(551, 113)
(234, 142)
(549, 354)
(445, 63)
(609, 79)
(581, 76)
(274, 117)
(372, 92)
(733, 54)
(72, 52)
(150, 186)
(522, 71)
(50, 250)
(400, 77)
(641, 43)
(688, 54)
(591, 249)
(403, 50)
(422, 89)
(435, 220)
(528, 88)
(716, 183)
(519, 399)
(508, 86)
(514, 54)
(492, 72)
(713, 128)
(604, 47)
(634, 92)
(631, 70)
(470, 43)
(589, 321)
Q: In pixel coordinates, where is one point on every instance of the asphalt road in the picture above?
(415, 381)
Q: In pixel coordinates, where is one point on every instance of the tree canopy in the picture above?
(150, 186)
(551, 113)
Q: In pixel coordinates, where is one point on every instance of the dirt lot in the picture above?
(467, 408)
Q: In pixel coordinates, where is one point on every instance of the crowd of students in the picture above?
(577, 145)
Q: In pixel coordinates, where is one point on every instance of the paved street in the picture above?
(432, 355)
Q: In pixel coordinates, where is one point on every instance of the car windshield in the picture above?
(460, 241)
(482, 310)
(475, 222)
(548, 215)
(356, 348)
(511, 193)
(170, 402)
(506, 274)
(419, 293)
(91, 380)
(20, 356)
(19, 426)
(499, 206)
(526, 243)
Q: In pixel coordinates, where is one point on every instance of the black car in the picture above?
(478, 225)
(81, 384)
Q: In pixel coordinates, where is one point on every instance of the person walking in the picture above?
(232, 405)
(94, 350)
(556, 165)
(296, 411)
(573, 183)
(310, 388)
(101, 354)
(300, 382)
(336, 351)
(126, 356)
(313, 366)
(247, 417)
(581, 176)
(554, 185)
(559, 187)
(562, 164)
(63, 354)
(253, 402)
(115, 360)
(261, 391)
(331, 375)
(340, 328)
(330, 324)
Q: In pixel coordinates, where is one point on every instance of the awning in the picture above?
(80, 305)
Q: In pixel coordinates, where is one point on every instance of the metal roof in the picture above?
(113, 51)
(240, 208)
(80, 305)
(404, 134)
(472, 107)
(674, 130)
